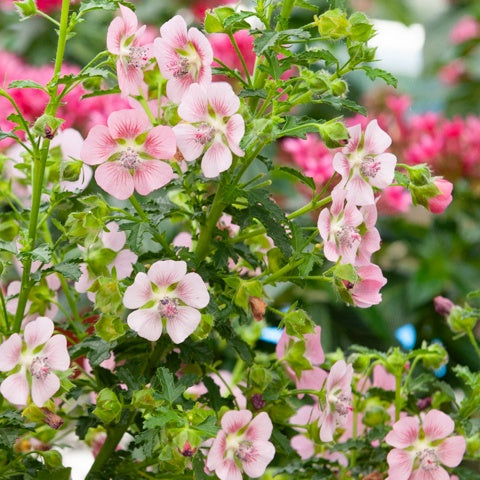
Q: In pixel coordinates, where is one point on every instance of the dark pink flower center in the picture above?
(179, 68)
(246, 451)
(167, 307)
(40, 368)
(347, 236)
(129, 159)
(428, 459)
(342, 404)
(370, 167)
(138, 57)
(204, 133)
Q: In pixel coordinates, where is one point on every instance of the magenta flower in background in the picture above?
(128, 152)
(467, 28)
(166, 296)
(211, 126)
(363, 163)
(420, 450)
(338, 400)
(241, 444)
(184, 57)
(32, 363)
(123, 40)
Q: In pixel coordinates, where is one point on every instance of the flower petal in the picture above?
(217, 451)
(15, 389)
(123, 263)
(151, 175)
(99, 146)
(183, 324)
(235, 130)
(235, 420)
(174, 32)
(128, 123)
(116, 180)
(404, 432)
(38, 332)
(437, 425)
(147, 323)
(139, 293)
(44, 388)
(400, 464)
(56, 352)
(260, 428)
(451, 450)
(376, 140)
(228, 470)
(217, 159)
(160, 143)
(167, 272)
(201, 45)
(262, 455)
(113, 238)
(187, 141)
(222, 99)
(194, 105)
(10, 352)
(192, 290)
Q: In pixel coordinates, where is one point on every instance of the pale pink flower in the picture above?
(184, 57)
(32, 362)
(365, 292)
(394, 200)
(338, 400)
(302, 443)
(123, 259)
(363, 163)
(439, 203)
(128, 152)
(166, 294)
(241, 444)
(420, 450)
(465, 29)
(452, 72)
(212, 126)
(370, 242)
(338, 227)
(123, 40)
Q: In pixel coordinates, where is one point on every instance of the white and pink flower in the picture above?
(241, 445)
(365, 292)
(211, 125)
(184, 57)
(421, 448)
(32, 362)
(166, 296)
(123, 40)
(363, 163)
(129, 152)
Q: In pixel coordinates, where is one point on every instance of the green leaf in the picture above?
(374, 73)
(42, 253)
(26, 84)
(10, 247)
(293, 172)
(69, 270)
(249, 92)
(109, 327)
(88, 5)
(108, 407)
(170, 391)
(96, 349)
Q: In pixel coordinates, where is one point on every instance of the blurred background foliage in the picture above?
(422, 255)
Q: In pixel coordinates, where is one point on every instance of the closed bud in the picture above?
(333, 24)
(435, 357)
(333, 133)
(443, 305)
(375, 415)
(461, 320)
(396, 362)
(26, 8)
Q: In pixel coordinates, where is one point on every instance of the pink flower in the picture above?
(439, 203)
(370, 242)
(365, 292)
(32, 363)
(166, 294)
(242, 444)
(213, 126)
(129, 150)
(123, 40)
(121, 259)
(184, 57)
(338, 228)
(452, 72)
(394, 200)
(419, 451)
(465, 29)
(338, 400)
(363, 163)
(302, 443)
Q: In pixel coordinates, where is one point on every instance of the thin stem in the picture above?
(240, 56)
(473, 342)
(398, 396)
(279, 273)
(232, 72)
(48, 17)
(313, 205)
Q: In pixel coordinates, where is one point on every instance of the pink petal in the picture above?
(331, 251)
(194, 105)
(217, 451)
(437, 425)
(130, 78)
(217, 159)
(129, 19)
(222, 99)
(202, 45)
(324, 224)
(376, 140)
(44, 388)
(235, 420)
(260, 428)
(99, 146)
(178, 87)
(139, 293)
(436, 473)
(167, 272)
(160, 143)
(312, 379)
(151, 175)
(174, 32)
(10, 352)
(340, 376)
(404, 432)
(84, 282)
(235, 130)
(56, 352)
(128, 123)
(341, 165)
(123, 263)
(192, 290)
(187, 141)
(15, 389)
(303, 446)
(147, 323)
(262, 456)
(183, 324)
(355, 135)
(386, 174)
(115, 180)
(359, 191)
(228, 470)
(113, 238)
(327, 427)
(38, 332)
(451, 450)
(115, 34)
(400, 464)
(169, 61)
(313, 347)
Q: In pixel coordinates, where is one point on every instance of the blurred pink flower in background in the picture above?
(465, 29)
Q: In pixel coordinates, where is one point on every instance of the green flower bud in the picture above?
(26, 8)
(108, 407)
(460, 320)
(333, 24)
(333, 133)
(435, 357)
(375, 414)
(396, 361)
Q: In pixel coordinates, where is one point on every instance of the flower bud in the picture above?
(374, 415)
(460, 320)
(395, 363)
(443, 305)
(435, 357)
(333, 24)
(440, 202)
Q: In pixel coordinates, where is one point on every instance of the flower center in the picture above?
(369, 167)
(428, 459)
(129, 159)
(167, 307)
(246, 451)
(204, 133)
(347, 236)
(180, 68)
(342, 404)
(137, 57)
(40, 368)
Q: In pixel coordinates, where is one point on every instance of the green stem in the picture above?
(473, 342)
(240, 56)
(398, 396)
(313, 205)
(250, 234)
(48, 17)
(279, 273)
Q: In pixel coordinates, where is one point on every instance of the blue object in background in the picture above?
(406, 336)
(442, 371)
(271, 334)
